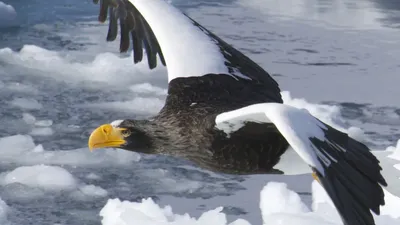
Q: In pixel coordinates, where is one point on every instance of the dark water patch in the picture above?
(391, 11)
(235, 211)
(316, 63)
(305, 50)
(368, 113)
(329, 64)
(253, 51)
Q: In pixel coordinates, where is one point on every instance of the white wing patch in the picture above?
(188, 51)
(231, 122)
(298, 126)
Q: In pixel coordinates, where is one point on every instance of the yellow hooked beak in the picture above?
(106, 136)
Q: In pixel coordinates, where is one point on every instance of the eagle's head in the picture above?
(124, 134)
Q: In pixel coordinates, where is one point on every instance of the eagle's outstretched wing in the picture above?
(187, 49)
(346, 168)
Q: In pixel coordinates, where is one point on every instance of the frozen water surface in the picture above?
(59, 79)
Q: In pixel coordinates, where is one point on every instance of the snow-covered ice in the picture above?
(26, 103)
(92, 190)
(28, 118)
(53, 178)
(139, 105)
(22, 149)
(41, 131)
(63, 66)
(278, 205)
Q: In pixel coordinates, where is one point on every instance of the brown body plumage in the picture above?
(185, 128)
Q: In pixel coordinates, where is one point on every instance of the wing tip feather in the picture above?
(130, 20)
(355, 178)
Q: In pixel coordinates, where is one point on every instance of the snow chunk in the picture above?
(117, 212)
(65, 66)
(22, 193)
(278, 204)
(92, 190)
(392, 205)
(8, 15)
(139, 105)
(53, 178)
(88, 192)
(28, 118)
(16, 145)
(44, 123)
(147, 88)
(42, 131)
(93, 176)
(22, 149)
(285, 200)
(395, 151)
(38, 148)
(26, 103)
(357, 133)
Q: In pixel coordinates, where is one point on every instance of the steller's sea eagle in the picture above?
(225, 113)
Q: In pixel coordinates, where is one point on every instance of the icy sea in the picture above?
(59, 79)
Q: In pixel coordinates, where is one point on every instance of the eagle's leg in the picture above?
(314, 175)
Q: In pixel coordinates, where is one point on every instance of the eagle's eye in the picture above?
(126, 133)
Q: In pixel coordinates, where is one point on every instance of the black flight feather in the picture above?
(352, 179)
(113, 26)
(130, 21)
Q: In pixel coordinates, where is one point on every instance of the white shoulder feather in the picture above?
(187, 49)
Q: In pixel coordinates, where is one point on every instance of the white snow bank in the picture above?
(289, 201)
(8, 15)
(22, 149)
(147, 212)
(278, 205)
(139, 105)
(105, 67)
(52, 178)
(30, 182)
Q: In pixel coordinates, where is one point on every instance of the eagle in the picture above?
(225, 113)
